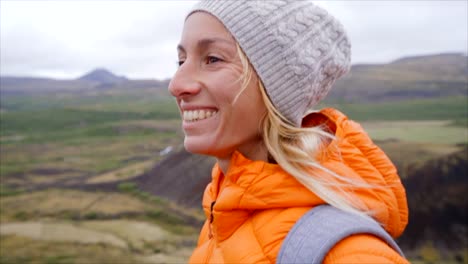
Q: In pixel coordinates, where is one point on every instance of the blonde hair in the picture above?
(295, 149)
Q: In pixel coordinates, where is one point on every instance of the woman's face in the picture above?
(206, 85)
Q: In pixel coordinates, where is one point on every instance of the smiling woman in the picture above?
(250, 73)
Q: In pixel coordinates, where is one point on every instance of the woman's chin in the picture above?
(205, 147)
(197, 146)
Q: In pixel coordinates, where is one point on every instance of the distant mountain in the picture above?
(407, 78)
(101, 75)
(28, 85)
(428, 76)
(99, 79)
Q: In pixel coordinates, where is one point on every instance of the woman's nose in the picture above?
(184, 82)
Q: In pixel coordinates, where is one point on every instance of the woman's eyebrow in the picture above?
(203, 43)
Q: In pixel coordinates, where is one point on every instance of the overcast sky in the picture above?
(138, 39)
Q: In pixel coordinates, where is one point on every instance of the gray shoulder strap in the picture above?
(323, 227)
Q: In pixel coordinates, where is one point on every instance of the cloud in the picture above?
(381, 31)
(69, 38)
(137, 39)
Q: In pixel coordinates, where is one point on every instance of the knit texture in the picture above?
(297, 49)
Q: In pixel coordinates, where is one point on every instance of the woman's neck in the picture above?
(255, 152)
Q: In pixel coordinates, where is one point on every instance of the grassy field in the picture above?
(446, 108)
(440, 132)
(69, 139)
(83, 135)
(83, 227)
(49, 143)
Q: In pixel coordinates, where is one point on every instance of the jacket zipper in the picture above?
(210, 227)
(210, 234)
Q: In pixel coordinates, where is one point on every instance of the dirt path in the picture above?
(62, 232)
(144, 241)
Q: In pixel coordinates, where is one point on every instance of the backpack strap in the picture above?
(315, 234)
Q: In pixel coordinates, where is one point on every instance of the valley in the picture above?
(97, 173)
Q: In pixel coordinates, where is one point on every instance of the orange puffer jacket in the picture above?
(251, 209)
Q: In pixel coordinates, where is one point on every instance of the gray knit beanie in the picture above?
(297, 49)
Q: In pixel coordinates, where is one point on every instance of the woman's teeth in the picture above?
(196, 115)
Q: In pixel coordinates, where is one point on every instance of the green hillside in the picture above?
(90, 164)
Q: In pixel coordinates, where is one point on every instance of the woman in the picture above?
(249, 74)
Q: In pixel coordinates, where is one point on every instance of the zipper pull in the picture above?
(210, 234)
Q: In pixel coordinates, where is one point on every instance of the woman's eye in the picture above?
(212, 59)
(180, 62)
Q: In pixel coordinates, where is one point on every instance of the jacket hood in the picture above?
(254, 185)
(359, 158)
